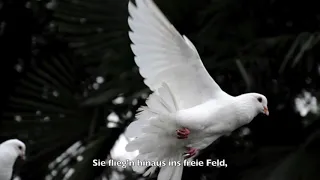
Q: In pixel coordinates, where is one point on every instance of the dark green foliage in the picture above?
(52, 53)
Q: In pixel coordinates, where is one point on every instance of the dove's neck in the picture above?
(8, 157)
(245, 109)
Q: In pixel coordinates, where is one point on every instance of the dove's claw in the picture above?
(191, 152)
(183, 133)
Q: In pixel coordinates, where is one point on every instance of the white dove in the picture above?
(187, 110)
(10, 150)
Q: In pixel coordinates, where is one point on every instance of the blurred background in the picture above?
(70, 86)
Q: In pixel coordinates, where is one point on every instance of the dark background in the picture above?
(51, 53)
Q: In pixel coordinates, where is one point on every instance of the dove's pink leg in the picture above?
(191, 152)
(183, 133)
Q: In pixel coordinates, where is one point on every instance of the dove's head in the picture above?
(259, 102)
(13, 149)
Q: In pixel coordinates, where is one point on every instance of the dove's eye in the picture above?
(259, 99)
(20, 147)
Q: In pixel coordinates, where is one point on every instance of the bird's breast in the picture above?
(5, 173)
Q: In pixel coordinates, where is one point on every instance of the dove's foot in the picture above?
(183, 133)
(191, 152)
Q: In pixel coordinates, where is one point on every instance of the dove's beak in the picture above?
(265, 110)
(23, 156)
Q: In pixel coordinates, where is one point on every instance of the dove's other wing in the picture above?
(163, 55)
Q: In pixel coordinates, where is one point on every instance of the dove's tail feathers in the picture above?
(154, 134)
(170, 168)
(158, 146)
(172, 171)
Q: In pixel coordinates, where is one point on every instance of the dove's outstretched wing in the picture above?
(163, 55)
